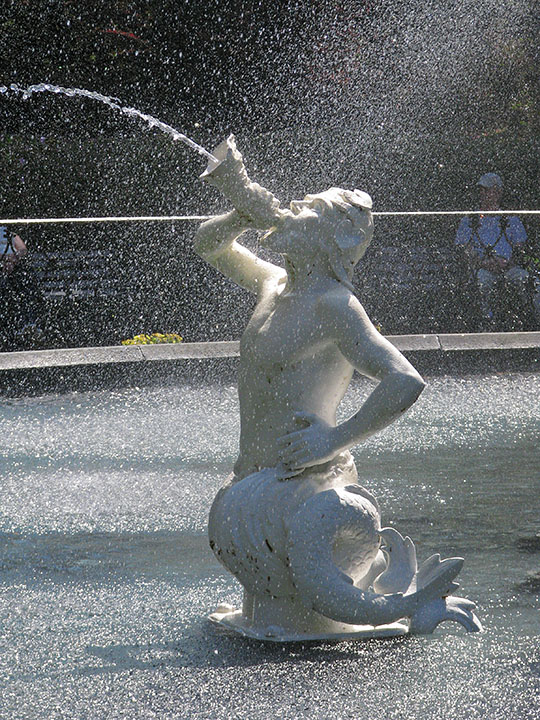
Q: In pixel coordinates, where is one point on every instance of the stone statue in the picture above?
(292, 523)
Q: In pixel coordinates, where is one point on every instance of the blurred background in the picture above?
(409, 102)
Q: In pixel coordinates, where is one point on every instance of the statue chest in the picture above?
(281, 331)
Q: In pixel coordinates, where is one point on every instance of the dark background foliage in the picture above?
(411, 102)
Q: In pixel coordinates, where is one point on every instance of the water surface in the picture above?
(106, 577)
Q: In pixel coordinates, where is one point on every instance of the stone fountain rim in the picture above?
(441, 342)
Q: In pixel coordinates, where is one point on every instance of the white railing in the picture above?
(199, 218)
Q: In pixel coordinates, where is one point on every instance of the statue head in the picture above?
(335, 223)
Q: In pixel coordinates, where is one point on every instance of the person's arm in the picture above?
(464, 244)
(464, 232)
(373, 356)
(19, 247)
(517, 237)
(215, 242)
(10, 260)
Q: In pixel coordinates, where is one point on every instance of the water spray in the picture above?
(114, 103)
(153, 122)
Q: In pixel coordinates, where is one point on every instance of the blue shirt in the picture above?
(490, 233)
(6, 245)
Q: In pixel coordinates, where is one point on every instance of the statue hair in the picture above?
(337, 206)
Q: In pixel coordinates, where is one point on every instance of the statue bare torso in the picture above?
(277, 378)
(307, 335)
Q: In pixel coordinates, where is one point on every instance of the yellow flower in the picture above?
(154, 338)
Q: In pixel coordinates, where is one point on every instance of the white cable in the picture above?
(460, 212)
(127, 218)
(199, 218)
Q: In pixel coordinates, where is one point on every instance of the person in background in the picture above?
(20, 297)
(495, 247)
(12, 250)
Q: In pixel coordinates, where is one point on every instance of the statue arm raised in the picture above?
(255, 208)
(215, 242)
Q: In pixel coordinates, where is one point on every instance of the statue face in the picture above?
(311, 227)
(366, 237)
(310, 202)
(296, 232)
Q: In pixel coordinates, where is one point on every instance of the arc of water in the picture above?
(114, 103)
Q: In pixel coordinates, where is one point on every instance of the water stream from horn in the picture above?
(113, 103)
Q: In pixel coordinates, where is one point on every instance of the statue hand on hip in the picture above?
(313, 444)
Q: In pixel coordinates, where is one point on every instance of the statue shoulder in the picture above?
(339, 301)
(342, 314)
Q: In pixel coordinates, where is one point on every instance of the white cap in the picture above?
(490, 180)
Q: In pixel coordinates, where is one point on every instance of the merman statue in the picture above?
(292, 523)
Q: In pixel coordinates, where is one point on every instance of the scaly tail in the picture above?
(332, 541)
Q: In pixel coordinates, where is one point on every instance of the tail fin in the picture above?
(342, 523)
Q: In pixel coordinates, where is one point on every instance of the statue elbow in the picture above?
(419, 383)
(413, 386)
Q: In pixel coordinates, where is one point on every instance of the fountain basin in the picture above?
(107, 577)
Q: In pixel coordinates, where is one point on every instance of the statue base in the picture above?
(231, 620)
